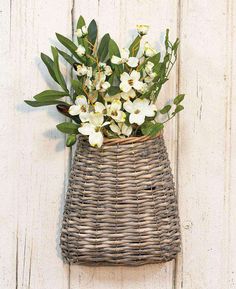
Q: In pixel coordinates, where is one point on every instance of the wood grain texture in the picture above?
(204, 135)
(34, 162)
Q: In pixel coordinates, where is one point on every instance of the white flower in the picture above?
(80, 50)
(131, 61)
(128, 95)
(139, 109)
(121, 129)
(80, 108)
(89, 71)
(101, 83)
(105, 68)
(88, 83)
(104, 86)
(130, 81)
(142, 29)
(99, 107)
(81, 32)
(93, 129)
(148, 50)
(145, 87)
(149, 69)
(82, 69)
(115, 112)
(150, 74)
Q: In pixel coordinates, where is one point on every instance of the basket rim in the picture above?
(129, 140)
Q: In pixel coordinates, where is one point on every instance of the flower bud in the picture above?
(71, 140)
(142, 29)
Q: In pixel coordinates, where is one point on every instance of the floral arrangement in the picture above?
(112, 92)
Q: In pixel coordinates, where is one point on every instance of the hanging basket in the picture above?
(121, 207)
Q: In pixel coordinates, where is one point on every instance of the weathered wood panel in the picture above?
(34, 164)
(35, 161)
(204, 135)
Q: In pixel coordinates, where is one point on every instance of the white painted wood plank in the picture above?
(231, 144)
(35, 161)
(202, 145)
(119, 18)
(8, 255)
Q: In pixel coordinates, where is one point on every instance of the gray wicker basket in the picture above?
(121, 207)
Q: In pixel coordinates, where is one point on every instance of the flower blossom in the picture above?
(93, 129)
(129, 81)
(139, 109)
(124, 58)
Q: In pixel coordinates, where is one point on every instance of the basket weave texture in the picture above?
(121, 206)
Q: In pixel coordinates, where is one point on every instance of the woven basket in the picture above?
(121, 207)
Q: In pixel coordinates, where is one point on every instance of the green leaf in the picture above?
(66, 42)
(71, 140)
(155, 58)
(67, 57)
(70, 46)
(113, 48)
(167, 39)
(103, 47)
(49, 95)
(68, 127)
(151, 129)
(113, 90)
(179, 107)
(49, 64)
(57, 71)
(77, 86)
(92, 32)
(80, 22)
(43, 103)
(179, 98)
(165, 109)
(134, 47)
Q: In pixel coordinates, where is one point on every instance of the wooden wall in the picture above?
(34, 163)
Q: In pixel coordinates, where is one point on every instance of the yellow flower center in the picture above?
(114, 113)
(131, 82)
(137, 111)
(83, 108)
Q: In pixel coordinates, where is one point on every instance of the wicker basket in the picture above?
(121, 207)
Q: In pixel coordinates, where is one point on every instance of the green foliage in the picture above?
(80, 22)
(113, 90)
(68, 127)
(70, 46)
(92, 80)
(71, 140)
(43, 103)
(114, 50)
(56, 68)
(49, 95)
(151, 128)
(179, 98)
(67, 57)
(92, 32)
(134, 47)
(178, 108)
(103, 47)
(49, 64)
(77, 86)
(165, 109)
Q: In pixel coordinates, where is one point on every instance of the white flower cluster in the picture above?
(119, 114)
